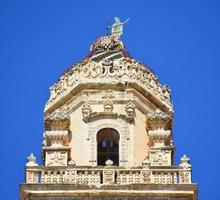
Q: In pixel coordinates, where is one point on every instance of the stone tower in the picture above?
(108, 134)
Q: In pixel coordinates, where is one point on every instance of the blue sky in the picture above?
(180, 40)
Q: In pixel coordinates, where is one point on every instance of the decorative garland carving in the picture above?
(116, 71)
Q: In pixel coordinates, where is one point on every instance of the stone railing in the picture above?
(107, 176)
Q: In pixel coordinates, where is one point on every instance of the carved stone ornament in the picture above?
(71, 163)
(31, 161)
(185, 162)
(109, 42)
(56, 158)
(130, 110)
(56, 139)
(157, 124)
(86, 110)
(99, 68)
(109, 162)
(108, 103)
(159, 119)
(57, 120)
(160, 158)
(185, 176)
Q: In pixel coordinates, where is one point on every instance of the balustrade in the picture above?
(107, 176)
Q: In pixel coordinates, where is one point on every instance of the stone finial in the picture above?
(71, 163)
(185, 162)
(31, 161)
(109, 162)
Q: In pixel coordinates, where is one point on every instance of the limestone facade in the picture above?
(108, 134)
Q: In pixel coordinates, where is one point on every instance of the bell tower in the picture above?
(108, 133)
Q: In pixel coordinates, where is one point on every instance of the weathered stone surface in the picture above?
(108, 134)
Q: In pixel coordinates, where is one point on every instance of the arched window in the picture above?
(108, 146)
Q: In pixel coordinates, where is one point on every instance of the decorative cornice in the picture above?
(119, 71)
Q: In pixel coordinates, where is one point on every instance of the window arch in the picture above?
(108, 146)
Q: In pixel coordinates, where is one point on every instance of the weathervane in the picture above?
(117, 27)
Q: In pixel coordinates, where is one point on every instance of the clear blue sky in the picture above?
(179, 39)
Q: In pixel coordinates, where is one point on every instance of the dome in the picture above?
(109, 64)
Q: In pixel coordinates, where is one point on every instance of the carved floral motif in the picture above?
(57, 120)
(56, 158)
(108, 177)
(160, 158)
(57, 138)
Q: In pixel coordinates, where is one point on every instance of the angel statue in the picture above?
(117, 27)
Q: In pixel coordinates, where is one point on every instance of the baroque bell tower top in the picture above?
(108, 124)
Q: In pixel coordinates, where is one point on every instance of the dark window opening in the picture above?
(107, 146)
